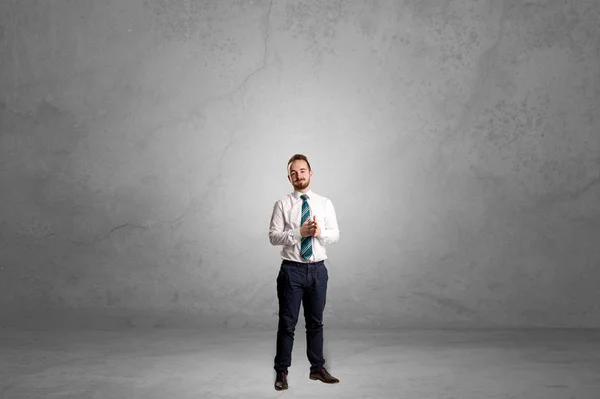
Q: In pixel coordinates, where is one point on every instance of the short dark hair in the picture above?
(297, 157)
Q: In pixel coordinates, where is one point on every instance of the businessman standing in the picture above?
(303, 223)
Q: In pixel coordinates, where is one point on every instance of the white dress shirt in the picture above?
(285, 226)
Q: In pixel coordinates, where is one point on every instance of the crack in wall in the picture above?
(230, 94)
(476, 100)
(231, 136)
(106, 236)
(569, 196)
(266, 48)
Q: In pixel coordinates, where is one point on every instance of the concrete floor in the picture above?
(151, 364)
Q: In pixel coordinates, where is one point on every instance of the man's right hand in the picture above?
(308, 228)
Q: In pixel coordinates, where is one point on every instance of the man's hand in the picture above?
(310, 228)
(317, 231)
(307, 229)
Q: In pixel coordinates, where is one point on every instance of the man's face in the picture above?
(299, 175)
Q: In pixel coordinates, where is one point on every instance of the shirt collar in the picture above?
(297, 194)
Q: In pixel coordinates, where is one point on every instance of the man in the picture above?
(304, 223)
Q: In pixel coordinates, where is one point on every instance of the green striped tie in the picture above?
(306, 243)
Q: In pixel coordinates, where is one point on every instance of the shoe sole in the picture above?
(281, 389)
(325, 382)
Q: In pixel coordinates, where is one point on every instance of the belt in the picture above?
(290, 262)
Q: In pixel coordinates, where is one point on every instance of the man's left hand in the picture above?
(317, 228)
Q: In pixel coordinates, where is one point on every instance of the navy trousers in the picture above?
(304, 283)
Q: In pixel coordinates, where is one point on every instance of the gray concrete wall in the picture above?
(143, 144)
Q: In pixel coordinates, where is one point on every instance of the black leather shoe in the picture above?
(281, 381)
(324, 376)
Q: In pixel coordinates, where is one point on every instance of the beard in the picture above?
(302, 184)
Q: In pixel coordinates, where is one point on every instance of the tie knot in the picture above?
(304, 197)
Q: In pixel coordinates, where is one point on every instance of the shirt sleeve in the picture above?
(330, 233)
(277, 234)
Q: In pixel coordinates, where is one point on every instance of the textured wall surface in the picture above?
(143, 144)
